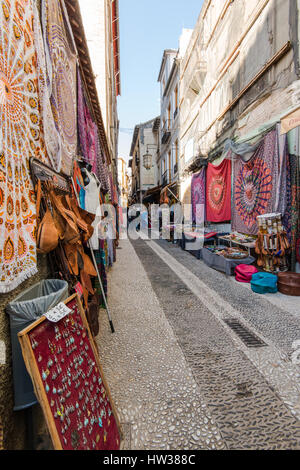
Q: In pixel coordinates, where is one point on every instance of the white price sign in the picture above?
(57, 313)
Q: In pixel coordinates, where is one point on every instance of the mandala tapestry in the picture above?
(198, 197)
(20, 139)
(61, 67)
(255, 185)
(218, 192)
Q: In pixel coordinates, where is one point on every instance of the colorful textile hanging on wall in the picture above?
(51, 136)
(218, 192)
(21, 138)
(295, 210)
(61, 65)
(93, 145)
(101, 172)
(198, 197)
(255, 185)
(87, 129)
(81, 113)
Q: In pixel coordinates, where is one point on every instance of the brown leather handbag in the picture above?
(65, 217)
(84, 219)
(289, 283)
(92, 314)
(47, 233)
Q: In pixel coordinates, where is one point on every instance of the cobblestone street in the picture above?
(181, 378)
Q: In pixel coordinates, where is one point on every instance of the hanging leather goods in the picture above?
(84, 219)
(47, 233)
(92, 314)
(71, 254)
(258, 249)
(88, 266)
(67, 219)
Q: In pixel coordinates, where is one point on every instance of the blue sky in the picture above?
(147, 27)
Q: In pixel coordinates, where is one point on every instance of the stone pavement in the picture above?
(180, 377)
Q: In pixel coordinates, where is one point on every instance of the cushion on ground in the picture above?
(264, 283)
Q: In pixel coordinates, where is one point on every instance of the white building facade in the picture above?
(239, 73)
(169, 127)
(144, 150)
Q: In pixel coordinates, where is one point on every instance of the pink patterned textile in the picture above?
(81, 117)
(87, 129)
(198, 197)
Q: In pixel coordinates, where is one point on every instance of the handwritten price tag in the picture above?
(57, 313)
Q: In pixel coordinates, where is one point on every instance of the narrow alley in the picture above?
(179, 375)
(149, 229)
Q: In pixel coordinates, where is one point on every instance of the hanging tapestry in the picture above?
(198, 197)
(218, 192)
(61, 65)
(51, 136)
(87, 129)
(102, 171)
(295, 208)
(81, 113)
(21, 138)
(113, 191)
(287, 212)
(92, 135)
(255, 185)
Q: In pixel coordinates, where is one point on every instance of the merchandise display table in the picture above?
(248, 246)
(193, 237)
(220, 263)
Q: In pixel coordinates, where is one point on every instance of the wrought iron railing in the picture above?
(166, 132)
(166, 178)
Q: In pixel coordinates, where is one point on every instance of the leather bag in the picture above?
(47, 233)
(92, 315)
(69, 229)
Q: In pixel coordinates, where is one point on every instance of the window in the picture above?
(176, 152)
(169, 116)
(176, 97)
(170, 165)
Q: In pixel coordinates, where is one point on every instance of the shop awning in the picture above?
(152, 194)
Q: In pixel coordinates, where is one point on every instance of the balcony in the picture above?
(166, 133)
